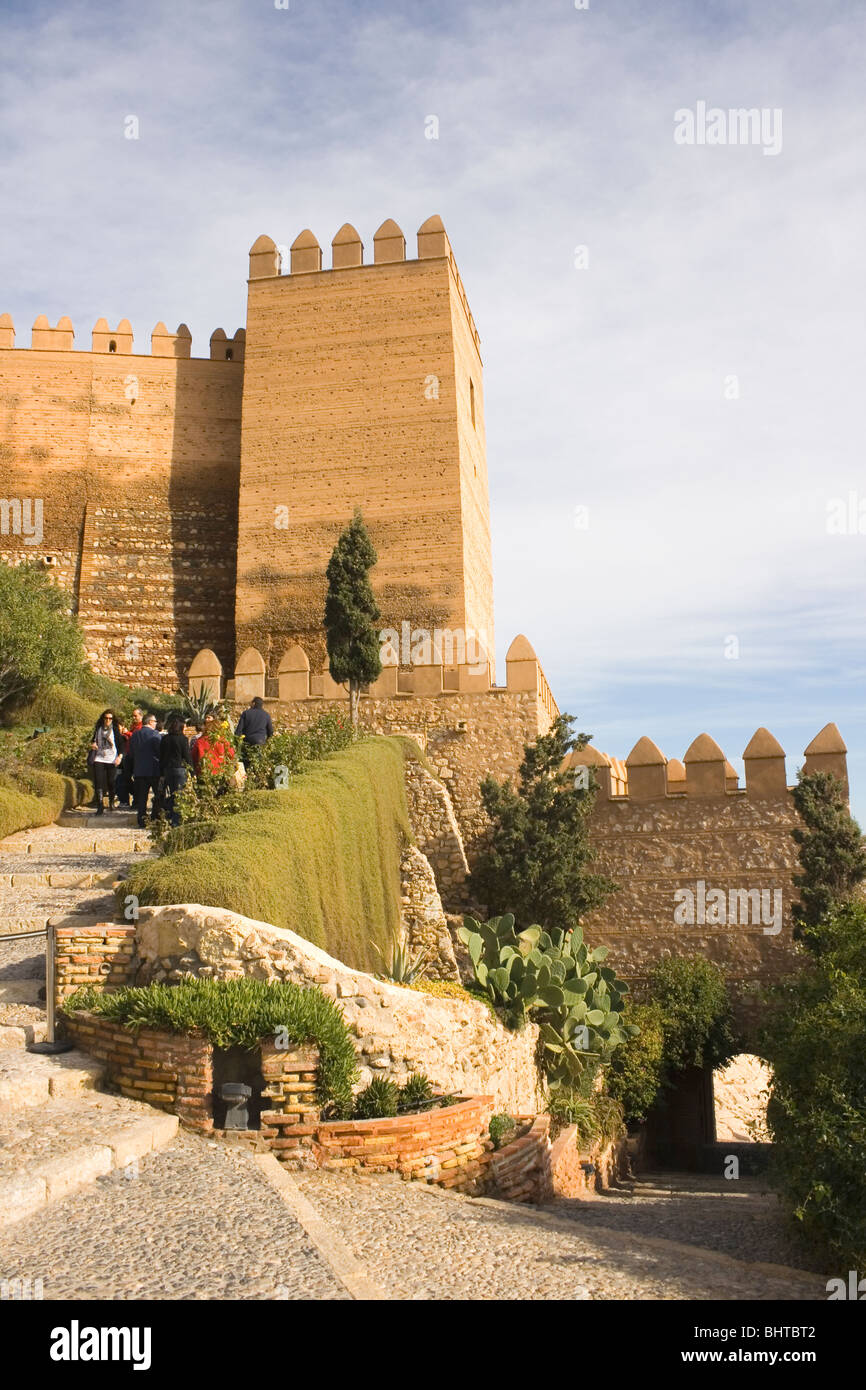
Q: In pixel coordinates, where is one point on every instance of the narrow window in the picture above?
(228, 354)
(112, 346)
(472, 400)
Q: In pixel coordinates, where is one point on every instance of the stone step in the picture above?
(49, 1152)
(56, 878)
(20, 1035)
(29, 1079)
(84, 842)
(11, 925)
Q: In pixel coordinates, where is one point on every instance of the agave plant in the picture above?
(415, 1093)
(401, 966)
(195, 705)
(377, 1101)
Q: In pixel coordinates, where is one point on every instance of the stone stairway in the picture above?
(58, 1131)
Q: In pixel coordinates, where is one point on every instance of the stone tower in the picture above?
(362, 388)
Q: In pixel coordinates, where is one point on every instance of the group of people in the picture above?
(149, 762)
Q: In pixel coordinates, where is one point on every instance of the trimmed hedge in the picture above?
(238, 1013)
(37, 797)
(321, 858)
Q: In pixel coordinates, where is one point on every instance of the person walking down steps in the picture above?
(105, 755)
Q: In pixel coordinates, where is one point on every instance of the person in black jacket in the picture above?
(144, 748)
(174, 764)
(254, 727)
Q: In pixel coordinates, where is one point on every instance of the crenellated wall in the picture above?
(704, 866)
(133, 460)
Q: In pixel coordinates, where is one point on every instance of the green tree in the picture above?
(832, 855)
(813, 1038)
(40, 642)
(536, 863)
(351, 613)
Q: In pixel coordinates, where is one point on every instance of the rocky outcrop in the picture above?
(422, 919)
(436, 831)
(457, 1042)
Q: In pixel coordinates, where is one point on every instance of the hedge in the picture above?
(321, 858)
(37, 797)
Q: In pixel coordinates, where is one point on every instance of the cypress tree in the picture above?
(351, 613)
(832, 855)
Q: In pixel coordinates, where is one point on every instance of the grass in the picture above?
(238, 1013)
(35, 796)
(321, 858)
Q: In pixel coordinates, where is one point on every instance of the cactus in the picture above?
(556, 978)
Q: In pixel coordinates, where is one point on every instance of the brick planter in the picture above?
(449, 1146)
(101, 956)
(521, 1171)
(571, 1168)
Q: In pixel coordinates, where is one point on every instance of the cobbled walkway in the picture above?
(423, 1244)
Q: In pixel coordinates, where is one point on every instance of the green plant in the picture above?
(40, 643)
(238, 1013)
(696, 1014)
(416, 1093)
(400, 965)
(831, 851)
(537, 860)
(555, 977)
(196, 705)
(321, 858)
(813, 1038)
(637, 1069)
(351, 613)
(378, 1101)
(502, 1129)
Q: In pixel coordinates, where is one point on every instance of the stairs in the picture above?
(58, 1130)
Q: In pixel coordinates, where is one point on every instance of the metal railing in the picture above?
(51, 1043)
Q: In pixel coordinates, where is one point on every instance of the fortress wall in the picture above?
(136, 461)
(340, 411)
(474, 489)
(654, 848)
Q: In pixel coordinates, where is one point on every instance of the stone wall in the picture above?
(457, 1042)
(435, 828)
(422, 919)
(135, 459)
(102, 956)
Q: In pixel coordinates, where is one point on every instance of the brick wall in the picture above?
(521, 1171)
(449, 1146)
(102, 956)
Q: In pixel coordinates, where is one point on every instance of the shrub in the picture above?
(321, 858)
(695, 1011)
(502, 1129)
(378, 1101)
(400, 965)
(238, 1013)
(33, 796)
(537, 860)
(813, 1038)
(415, 1094)
(637, 1068)
(40, 643)
(832, 854)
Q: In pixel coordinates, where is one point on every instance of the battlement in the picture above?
(294, 680)
(647, 775)
(270, 259)
(119, 340)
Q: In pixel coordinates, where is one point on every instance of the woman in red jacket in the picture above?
(212, 747)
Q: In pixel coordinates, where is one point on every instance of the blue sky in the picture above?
(606, 387)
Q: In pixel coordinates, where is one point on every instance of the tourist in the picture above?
(105, 754)
(145, 748)
(254, 727)
(174, 759)
(125, 788)
(213, 745)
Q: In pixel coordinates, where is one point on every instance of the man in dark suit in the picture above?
(144, 751)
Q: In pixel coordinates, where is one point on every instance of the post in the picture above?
(51, 1045)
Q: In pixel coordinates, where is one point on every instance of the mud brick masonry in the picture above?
(189, 506)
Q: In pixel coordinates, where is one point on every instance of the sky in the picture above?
(672, 332)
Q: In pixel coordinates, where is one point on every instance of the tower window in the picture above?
(228, 354)
(472, 400)
(112, 346)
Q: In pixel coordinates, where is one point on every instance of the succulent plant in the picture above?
(555, 977)
(401, 966)
(378, 1101)
(415, 1093)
